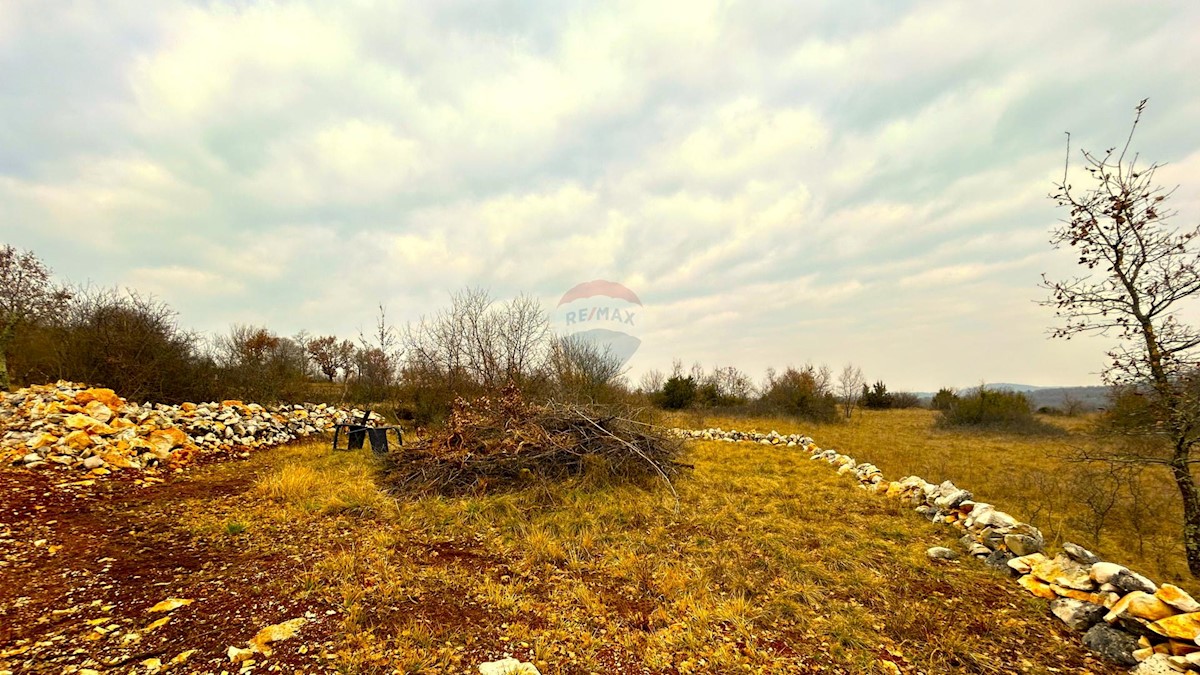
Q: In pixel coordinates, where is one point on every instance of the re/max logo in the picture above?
(599, 314)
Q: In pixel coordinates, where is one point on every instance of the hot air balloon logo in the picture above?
(603, 313)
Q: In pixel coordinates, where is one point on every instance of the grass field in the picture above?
(768, 563)
(1132, 519)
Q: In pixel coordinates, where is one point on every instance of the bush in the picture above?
(678, 393)
(124, 341)
(876, 397)
(943, 399)
(992, 408)
(801, 393)
(905, 399)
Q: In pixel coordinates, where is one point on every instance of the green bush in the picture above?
(876, 397)
(678, 393)
(993, 408)
(943, 399)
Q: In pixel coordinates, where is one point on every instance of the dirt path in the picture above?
(82, 564)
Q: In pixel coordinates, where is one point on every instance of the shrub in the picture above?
(983, 407)
(943, 399)
(801, 393)
(905, 399)
(876, 397)
(129, 343)
(678, 393)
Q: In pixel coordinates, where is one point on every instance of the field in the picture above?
(1131, 518)
(768, 563)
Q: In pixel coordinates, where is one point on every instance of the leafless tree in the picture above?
(27, 293)
(582, 370)
(477, 342)
(652, 381)
(1140, 271)
(849, 386)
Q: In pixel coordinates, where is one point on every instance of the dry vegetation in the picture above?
(1130, 515)
(773, 564)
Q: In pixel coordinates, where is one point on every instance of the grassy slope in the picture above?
(1029, 476)
(771, 564)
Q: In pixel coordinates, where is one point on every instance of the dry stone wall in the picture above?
(1123, 616)
(73, 426)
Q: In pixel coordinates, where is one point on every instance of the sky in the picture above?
(778, 182)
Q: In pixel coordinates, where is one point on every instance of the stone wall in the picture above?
(1122, 615)
(73, 426)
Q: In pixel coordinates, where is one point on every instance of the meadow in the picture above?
(1128, 515)
(768, 563)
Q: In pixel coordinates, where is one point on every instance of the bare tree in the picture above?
(27, 294)
(1140, 272)
(477, 342)
(652, 381)
(849, 386)
(582, 370)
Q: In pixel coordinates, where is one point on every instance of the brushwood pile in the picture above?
(73, 426)
(1122, 615)
(502, 442)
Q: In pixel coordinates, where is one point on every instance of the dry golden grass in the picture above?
(1029, 476)
(772, 564)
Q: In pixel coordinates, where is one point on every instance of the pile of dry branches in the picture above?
(502, 442)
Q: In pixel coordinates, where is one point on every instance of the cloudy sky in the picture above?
(779, 182)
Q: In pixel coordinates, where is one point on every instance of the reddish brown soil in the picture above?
(73, 554)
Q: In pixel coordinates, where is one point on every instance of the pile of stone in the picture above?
(1124, 616)
(74, 426)
(718, 434)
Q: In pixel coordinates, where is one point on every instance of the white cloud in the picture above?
(176, 282)
(781, 181)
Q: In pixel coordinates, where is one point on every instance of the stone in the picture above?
(1130, 581)
(1037, 587)
(998, 560)
(41, 440)
(93, 462)
(261, 642)
(1025, 564)
(238, 655)
(1112, 644)
(1064, 572)
(1179, 626)
(1024, 539)
(993, 518)
(1102, 599)
(98, 411)
(1078, 615)
(1155, 664)
(1177, 598)
(1121, 577)
(508, 666)
(941, 553)
(77, 440)
(31, 458)
(1140, 605)
(170, 605)
(1080, 554)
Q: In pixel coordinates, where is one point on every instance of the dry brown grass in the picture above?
(772, 564)
(1030, 476)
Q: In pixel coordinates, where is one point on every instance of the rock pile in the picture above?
(1124, 616)
(717, 434)
(74, 426)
